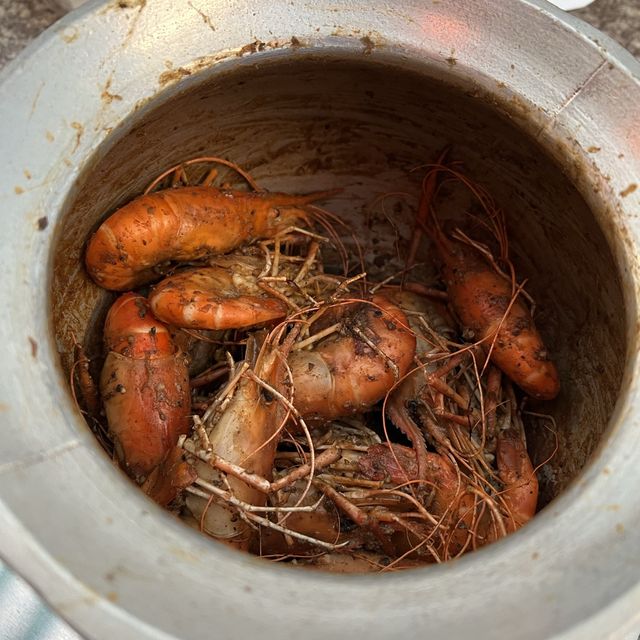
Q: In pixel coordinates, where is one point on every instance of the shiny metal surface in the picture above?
(117, 567)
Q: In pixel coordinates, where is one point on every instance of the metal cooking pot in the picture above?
(542, 109)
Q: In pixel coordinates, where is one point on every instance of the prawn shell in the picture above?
(147, 404)
(167, 480)
(517, 473)
(132, 330)
(246, 434)
(518, 348)
(213, 298)
(482, 300)
(449, 502)
(343, 375)
(183, 224)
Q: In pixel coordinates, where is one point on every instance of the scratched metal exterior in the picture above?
(116, 568)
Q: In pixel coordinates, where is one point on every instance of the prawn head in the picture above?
(144, 386)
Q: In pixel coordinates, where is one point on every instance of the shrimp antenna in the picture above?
(180, 169)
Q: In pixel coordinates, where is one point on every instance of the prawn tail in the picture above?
(168, 479)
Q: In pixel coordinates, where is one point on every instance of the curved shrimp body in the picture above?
(448, 502)
(184, 224)
(348, 372)
(465, 520)
(144, 386)
(483, 300)
(245, 434)
(222, 296)
(516, 472)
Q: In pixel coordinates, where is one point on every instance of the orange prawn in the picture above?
(225, 295)
(518, 476)
(448, 499)
(183, 224)
(144, 386)
(451, 499)
(413, 408)
(485, 303)
(348, 372)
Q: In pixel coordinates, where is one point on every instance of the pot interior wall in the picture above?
(303, 124)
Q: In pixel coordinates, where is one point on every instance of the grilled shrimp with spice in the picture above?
(239, 290)
(474, 501)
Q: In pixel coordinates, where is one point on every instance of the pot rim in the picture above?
(55, 126)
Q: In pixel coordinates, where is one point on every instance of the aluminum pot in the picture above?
(541, 107)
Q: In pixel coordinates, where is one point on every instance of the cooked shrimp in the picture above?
(144, 386)
(212, 298)
(244, 434)
(485, 304)
(185, 224)
(348, 372)
(430, 324)
(492, 309)
(518, 476)
(464, 436)
(240, 290)
(449, 501)
(461, 511)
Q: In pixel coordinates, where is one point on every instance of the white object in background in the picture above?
(567, 5)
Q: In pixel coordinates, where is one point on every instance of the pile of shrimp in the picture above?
(257, 384)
